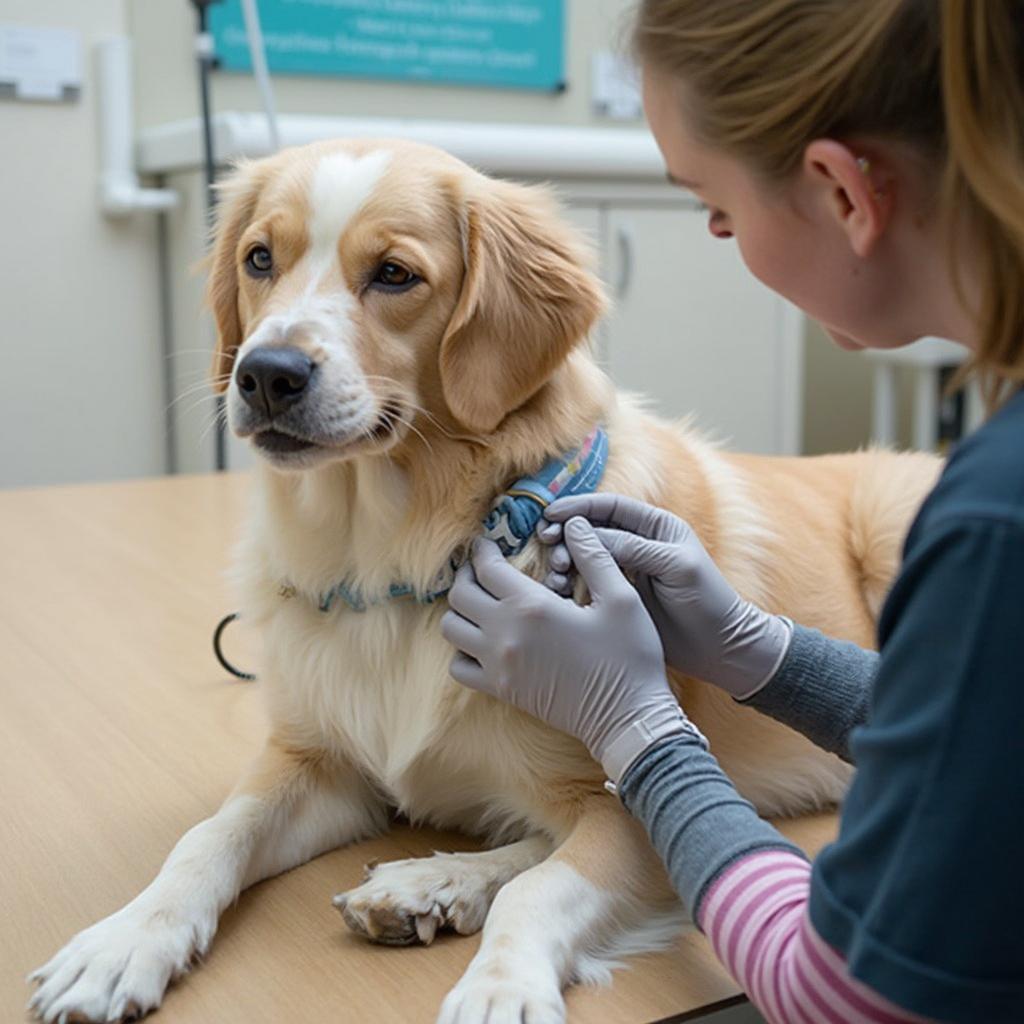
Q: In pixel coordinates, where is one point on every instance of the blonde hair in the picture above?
(767, 77)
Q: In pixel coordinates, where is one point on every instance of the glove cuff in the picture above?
(641, 734)
(778, 637)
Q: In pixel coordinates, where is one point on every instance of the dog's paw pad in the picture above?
(116, 970)
(411, 900)
(388, 924)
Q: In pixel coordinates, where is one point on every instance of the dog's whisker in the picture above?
(190, 352)
(434, 422)
(216, 415)
(419, 434)
(204, 379)
(191, 387)
(183, 411)
(196, 403)
(219, 415)
(191, 391)
(407, 403)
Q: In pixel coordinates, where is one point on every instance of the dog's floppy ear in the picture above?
(528, 296)
(236, 204)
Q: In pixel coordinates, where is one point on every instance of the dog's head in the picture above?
(357, 286)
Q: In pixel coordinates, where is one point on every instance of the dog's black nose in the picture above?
(272, 379)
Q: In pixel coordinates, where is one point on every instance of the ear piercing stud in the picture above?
(865, 168)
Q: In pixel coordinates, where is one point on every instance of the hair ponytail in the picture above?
(983, 98)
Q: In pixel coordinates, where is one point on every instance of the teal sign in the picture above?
(511, 43)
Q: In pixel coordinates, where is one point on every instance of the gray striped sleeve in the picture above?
(697, 821)
(822, 689)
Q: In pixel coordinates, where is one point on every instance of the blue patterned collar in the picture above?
(509, 523)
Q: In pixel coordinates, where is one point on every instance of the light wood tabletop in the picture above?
(119, 731)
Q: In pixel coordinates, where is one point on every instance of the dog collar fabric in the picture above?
(515, 513)
(509, 523)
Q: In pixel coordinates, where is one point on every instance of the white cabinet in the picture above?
(696, 331)
(692, 328)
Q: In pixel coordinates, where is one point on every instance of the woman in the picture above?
(868, 158)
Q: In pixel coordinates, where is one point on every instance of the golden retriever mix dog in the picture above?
(400, 338)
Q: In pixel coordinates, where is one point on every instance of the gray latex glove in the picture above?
(707, 630)
(596, 671)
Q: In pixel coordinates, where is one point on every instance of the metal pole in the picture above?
(206, 63)
(167, 343)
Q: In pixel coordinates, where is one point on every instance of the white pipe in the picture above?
(120, 192)
(883, 421)
(926, 408)
(258, 57)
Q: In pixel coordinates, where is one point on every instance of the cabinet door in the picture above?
(694, 330)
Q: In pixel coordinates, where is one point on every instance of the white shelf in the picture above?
(526, 150)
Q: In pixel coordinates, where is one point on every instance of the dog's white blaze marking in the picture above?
(341, 184)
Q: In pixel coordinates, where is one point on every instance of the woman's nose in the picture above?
(717, 228)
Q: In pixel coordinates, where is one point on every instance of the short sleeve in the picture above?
(922, 892)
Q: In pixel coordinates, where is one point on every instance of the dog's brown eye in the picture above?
(393, 276)
(259, 262)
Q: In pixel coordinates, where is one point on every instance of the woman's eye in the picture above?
(259, 262)
(393, 276)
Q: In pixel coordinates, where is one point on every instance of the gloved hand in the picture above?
(596, 671)
(707, 630)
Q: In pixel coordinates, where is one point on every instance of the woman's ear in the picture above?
(236, 204)
(528, 296)
(858, 193)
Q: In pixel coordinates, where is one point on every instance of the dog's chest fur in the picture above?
(374, 686)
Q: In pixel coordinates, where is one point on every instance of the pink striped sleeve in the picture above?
(755, 915)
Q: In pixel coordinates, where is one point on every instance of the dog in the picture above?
(399, 338)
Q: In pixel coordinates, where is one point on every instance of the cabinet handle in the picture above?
(624, 240)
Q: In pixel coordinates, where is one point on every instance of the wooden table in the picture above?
(119, 731)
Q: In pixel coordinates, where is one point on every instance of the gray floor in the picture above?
(739, 1015)
(736, 1015)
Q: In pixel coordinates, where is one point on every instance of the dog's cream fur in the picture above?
(428, 402)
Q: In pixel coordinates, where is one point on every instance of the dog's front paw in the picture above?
(118, 969)
(504, 990)
(408, 900)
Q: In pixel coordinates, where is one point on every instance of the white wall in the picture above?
(79, 335)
